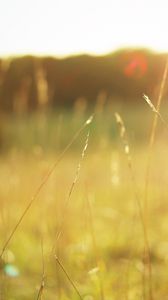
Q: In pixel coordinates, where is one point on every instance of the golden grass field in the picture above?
(83, 236)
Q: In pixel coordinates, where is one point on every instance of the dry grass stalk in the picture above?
(155, 110)
(151, 144)
(123, 135)
(42, 184)
(60, 231)
(153, 131)
(68, 277)
(72, 188)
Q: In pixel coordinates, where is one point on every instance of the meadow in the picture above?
(83, 236)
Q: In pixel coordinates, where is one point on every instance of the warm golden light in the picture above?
(63, 27)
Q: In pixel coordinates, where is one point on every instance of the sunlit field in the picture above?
(83, 235)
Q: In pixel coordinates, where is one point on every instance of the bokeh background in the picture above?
(60, 63)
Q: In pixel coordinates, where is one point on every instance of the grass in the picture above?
(104, 242)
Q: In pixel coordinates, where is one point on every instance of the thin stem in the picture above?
(157, 116)
(68, 277)
(42, 184)
(59, 233)
(123, 135)
(153, 133)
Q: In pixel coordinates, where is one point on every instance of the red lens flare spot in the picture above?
(136, 67)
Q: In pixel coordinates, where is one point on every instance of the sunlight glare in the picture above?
(63, 27)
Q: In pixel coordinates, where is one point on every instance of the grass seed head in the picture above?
(89, 120)
(149, 102)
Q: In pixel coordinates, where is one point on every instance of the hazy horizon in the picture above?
(64, 56)
(65, 28)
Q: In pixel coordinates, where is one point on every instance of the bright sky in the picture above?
(63, 27)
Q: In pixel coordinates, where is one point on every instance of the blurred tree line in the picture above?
(30, 83)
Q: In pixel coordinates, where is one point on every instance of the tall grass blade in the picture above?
(151, 144)
(153, 131)
(123, 135)
(44, 181)
(60, 231)
(68, 277)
